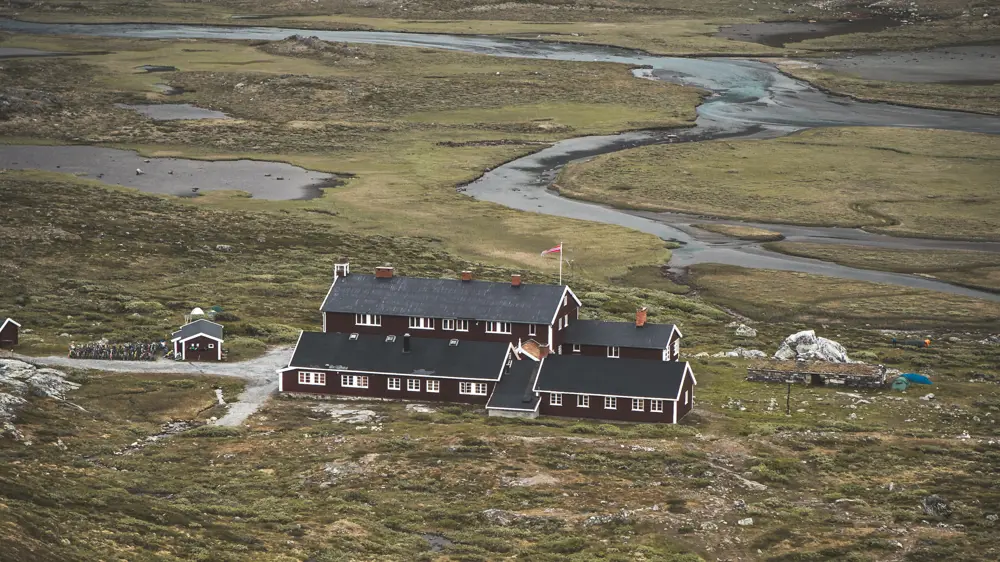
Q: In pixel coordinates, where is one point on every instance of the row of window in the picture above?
(610, 402)
(422, 323)
(394, 383)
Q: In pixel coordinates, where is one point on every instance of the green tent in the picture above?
(901, 384)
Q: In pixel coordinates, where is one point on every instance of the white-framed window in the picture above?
(638, 405)
(614, 351)
(461, 325)
(576, 348)
(677, 349)
(532, 329)
(413, 385)
(559, 350)
(394, 383)
(555, 399)
(354, 381)
(448, 324)
(433, 386)
(687, 396)
(498, 327)
(419, 323)
(211, 346)
(582, 401)
(309, 377)
(610, 403)
(565, 300)
(475, 388)
(666, 354)
(656, 406)
(368, 319)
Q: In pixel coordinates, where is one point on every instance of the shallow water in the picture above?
(170, 176)
(173, 111)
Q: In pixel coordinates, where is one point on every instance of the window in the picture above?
(532, 329)
(461, 325)
(413, 385)
(686, 396)
(498, 327)
(677, 349)
(555, 399)
(666, 354)
(394, 383)
(354, 381)
(638, 405)
(433, 386)
(368, 319)
(614, 351)
(565, 300)
(610, 403)
(306, 377)
(576, 348)
(448, 324)
(477, 388)
(421, 323)
(211, 346)
(582, 401)
(656, 406)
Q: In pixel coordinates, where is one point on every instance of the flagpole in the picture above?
(560, 261)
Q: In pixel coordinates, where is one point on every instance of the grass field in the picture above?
(784, 296)
(897, 181)
(296, 484)
(980, 270)
(411, 124)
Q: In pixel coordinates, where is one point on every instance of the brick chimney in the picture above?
(515, 280)
(466, 275)
(384, 272)
(640, 317)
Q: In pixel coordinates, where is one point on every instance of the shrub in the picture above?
(608, 429)
(212, 431)
(569, 545)
(142, 306)
(582, 428)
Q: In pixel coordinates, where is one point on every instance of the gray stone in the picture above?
(806, 346)
(745, 331)
(936, 506)
(748, 522)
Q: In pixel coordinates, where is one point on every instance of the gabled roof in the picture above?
(428, 357)
(445, 298)
(6, 321)
(629, 378)
(198, 328)
(514, 391)
(620, 334)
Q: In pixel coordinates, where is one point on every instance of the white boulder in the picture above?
(806, 346)
(745, 331)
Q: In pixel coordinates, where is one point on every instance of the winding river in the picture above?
(749, 99)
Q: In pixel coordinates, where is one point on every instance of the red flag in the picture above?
(556, 250)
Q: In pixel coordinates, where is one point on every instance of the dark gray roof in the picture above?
(514, 391)
(432, 357)
(444, 298)
(200, 326)
(639, 378)
(621, 334)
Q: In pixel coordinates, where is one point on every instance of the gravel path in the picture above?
(259, 374)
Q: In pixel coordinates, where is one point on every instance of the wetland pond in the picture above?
(173, 111)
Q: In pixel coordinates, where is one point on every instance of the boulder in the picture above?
(936, 506)
(745, 331)
(745, 522)
(742, 353)
(806, 346)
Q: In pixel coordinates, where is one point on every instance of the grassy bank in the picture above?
(83, 262)
(898, 181)
(741, 232)
(980, 270)
(979, 99)
(411, 124)
(785, 296)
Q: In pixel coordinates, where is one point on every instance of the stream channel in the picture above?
(749, 99)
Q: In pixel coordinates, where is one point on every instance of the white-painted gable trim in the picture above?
(9, 321)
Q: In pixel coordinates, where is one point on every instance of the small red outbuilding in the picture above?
(200, 340)
(8, 333)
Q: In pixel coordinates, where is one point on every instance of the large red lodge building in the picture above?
(517, 348)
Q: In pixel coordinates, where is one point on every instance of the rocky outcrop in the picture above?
(806, 346)
(742, 353)
(18, 380)
(745, 331)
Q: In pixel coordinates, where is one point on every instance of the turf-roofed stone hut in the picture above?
(200, 340)
(465, 308)
(390, 366)
(9, 331)
(637, 390)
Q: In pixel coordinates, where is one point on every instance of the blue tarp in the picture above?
(918, 379)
